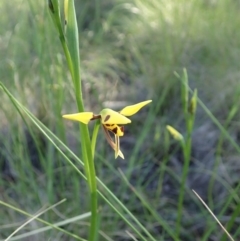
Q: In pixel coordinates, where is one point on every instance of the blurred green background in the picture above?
(129, 52)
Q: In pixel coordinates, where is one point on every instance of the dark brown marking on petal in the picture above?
(109, 139)
(96, 117)
(122, 128)
(107, 118)
(112, 124)
(108, 125)
(114, 130)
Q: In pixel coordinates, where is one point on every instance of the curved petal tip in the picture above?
(83, 117)
(133, 109)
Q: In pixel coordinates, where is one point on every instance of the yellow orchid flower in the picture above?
(110, 121)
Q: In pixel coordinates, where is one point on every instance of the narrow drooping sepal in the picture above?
(115, 145)
(133, 109)
(112, 117)
(83, 117)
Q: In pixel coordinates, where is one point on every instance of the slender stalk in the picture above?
(70, 43)
(85, 137)
(189, 110)
(94, 136)
(185, 148)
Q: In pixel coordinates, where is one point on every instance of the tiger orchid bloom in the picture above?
(111, 121)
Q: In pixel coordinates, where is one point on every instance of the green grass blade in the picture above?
(41, 220)
(44, 229)
(31, 219)
(153, 212)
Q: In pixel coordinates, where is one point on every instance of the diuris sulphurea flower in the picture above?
(111, 121)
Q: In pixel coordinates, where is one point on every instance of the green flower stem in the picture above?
(94, 218)
(94, 136)
(182, 187)
(91, 179)
(70, 43)
(189, 114)
(186, 147)
(85, 137)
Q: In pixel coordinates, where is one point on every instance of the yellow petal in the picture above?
(112, 117)
(133, 109)
(176, 135)
(83, 117)
(117, 130)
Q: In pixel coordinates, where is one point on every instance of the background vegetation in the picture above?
(129, 53)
